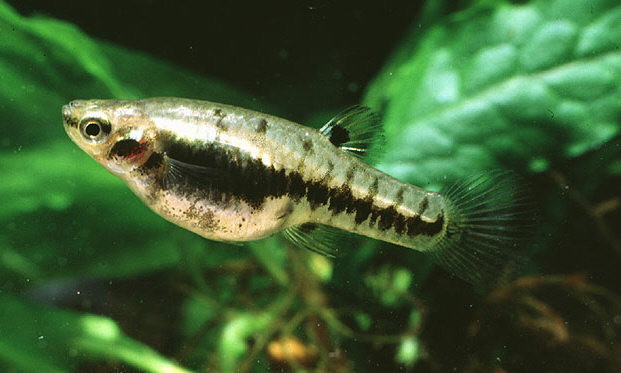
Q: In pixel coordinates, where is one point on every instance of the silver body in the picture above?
(277, 144)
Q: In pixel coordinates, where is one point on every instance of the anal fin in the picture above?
(319, 238)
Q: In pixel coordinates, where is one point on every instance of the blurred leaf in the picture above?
(235, 335)
(271, 254)
(62, 218)
(45, 63)
(321, 266)
(408, 352)
(495, 85)
(389, 284)
(196, 312)
(65, 215)
(41, 339)
(501, 84)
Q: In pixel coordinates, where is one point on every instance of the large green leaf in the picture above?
(45, 63)
(65, 216)
(501, 85)
(63, 213)
(498, 85)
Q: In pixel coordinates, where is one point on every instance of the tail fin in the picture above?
(490, 222)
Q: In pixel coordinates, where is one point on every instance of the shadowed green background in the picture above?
(91, 280)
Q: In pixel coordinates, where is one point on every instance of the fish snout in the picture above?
(68, 119)
(66, 112)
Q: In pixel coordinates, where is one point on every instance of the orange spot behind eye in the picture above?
(129, 149)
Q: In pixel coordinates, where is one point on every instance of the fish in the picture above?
(231, 174)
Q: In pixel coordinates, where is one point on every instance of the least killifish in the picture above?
(232, 174)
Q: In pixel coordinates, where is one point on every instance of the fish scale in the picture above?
(233, 174)
(300, 155)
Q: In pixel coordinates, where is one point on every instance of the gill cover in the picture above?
(130, 150)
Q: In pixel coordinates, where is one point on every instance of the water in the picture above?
(92, 281)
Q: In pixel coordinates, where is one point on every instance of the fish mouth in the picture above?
(68, 119)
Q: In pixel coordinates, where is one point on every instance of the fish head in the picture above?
(116, 133)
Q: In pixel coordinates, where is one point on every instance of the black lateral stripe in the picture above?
(339, 199)
(399, 224)
(387, 217)
(374, 216)
(242, 177)
(363, 208)
(251, 181)
(317, 194)
(415, 226)
(295, 186)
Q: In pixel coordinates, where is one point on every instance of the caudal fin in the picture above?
(491, 220)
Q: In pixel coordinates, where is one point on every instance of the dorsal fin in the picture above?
(356, 130)
(319, 238)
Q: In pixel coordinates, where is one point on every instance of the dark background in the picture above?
(299, 55)
(305, 57)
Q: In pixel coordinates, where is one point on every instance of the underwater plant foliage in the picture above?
(91, 280)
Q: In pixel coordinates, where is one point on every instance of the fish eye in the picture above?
(95, 130)
(92, 129)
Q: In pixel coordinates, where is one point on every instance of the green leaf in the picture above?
(41, 339)
(499, 85)
(409, 351)
(502, 85)
(45, 63)
(233, 343)
(85, 223)
(61, 213)
(389, 284)
(65, 216)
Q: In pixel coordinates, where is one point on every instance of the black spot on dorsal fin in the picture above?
(356, 130)
(338, 136)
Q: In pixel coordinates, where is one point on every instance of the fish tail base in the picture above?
(490, 224)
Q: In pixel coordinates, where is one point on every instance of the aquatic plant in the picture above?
(91, 280)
